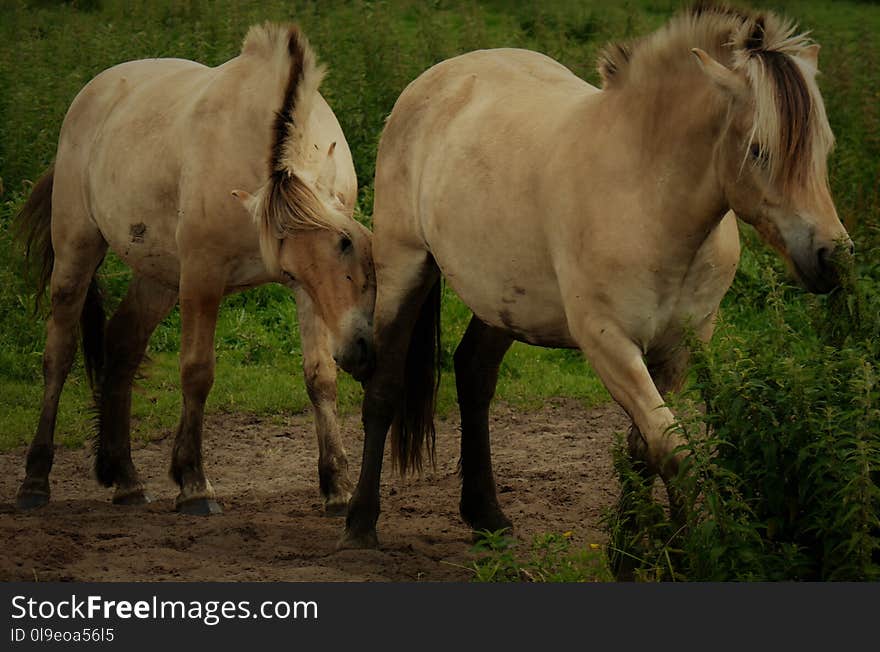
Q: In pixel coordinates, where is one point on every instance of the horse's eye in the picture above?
(344, 244)
(288, 275)
(755, 151)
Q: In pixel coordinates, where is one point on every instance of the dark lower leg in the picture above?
(395, 318)
(196, 493)
(68, 293)
(477, 360)
(379, 408)
(126, 339)
(57, 360)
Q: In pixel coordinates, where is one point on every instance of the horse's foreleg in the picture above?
(668, 373)
(71, 275)
(126, 337)
(477, 360)
(619, 363)
(200, 296)
(401, 291)
(320, 376)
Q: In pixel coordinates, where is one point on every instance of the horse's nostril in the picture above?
(823, 255)
(852, 248)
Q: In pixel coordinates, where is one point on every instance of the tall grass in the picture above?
(785, 461)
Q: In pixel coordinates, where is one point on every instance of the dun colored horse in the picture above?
(568, 216)
(155, 160)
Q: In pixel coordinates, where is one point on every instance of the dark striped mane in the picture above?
(289, 201)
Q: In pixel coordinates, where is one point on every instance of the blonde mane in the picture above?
(289, 202)
(790, 125)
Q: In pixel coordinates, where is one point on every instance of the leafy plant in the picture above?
(548, 558)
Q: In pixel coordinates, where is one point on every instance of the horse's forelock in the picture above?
(789, 122)
(287, 205)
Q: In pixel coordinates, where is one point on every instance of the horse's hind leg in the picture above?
(77, 255)
(201, 291)
(477, 360)
(320, 376)
(126, 337)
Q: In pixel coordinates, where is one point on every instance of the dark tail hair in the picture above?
(91, 324)
(33, 227)
(413, 427)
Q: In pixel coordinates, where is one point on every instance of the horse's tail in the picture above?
(413, 427)
(91, 323)
(33, 227)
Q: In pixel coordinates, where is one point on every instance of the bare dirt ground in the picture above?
(553, 469)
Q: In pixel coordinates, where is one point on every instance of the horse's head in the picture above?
(309, 239)
(774, 144)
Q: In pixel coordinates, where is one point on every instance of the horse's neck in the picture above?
(668, 137)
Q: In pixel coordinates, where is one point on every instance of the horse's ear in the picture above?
(327, 173)
(811, 54)
(337, 202)
(721, 76)
(247, 200)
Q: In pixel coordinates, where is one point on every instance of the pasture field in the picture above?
(786, 482)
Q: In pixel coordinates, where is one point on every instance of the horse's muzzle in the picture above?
(358, 358)
(821, 272)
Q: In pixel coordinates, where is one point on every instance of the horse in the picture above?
(204, 181)
(564, 215)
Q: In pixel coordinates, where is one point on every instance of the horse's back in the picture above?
(123, 87)
(480, 85)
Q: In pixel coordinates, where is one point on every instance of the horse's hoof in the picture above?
(488, 519)
(358, 541)
(336, 506)
(137, 497)
(200, 507)
(492, 524)
(28, 500)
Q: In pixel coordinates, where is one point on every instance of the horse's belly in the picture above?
(146, 249)
(530, 311)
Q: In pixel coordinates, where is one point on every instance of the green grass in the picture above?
(547, 558)
(777, 348)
